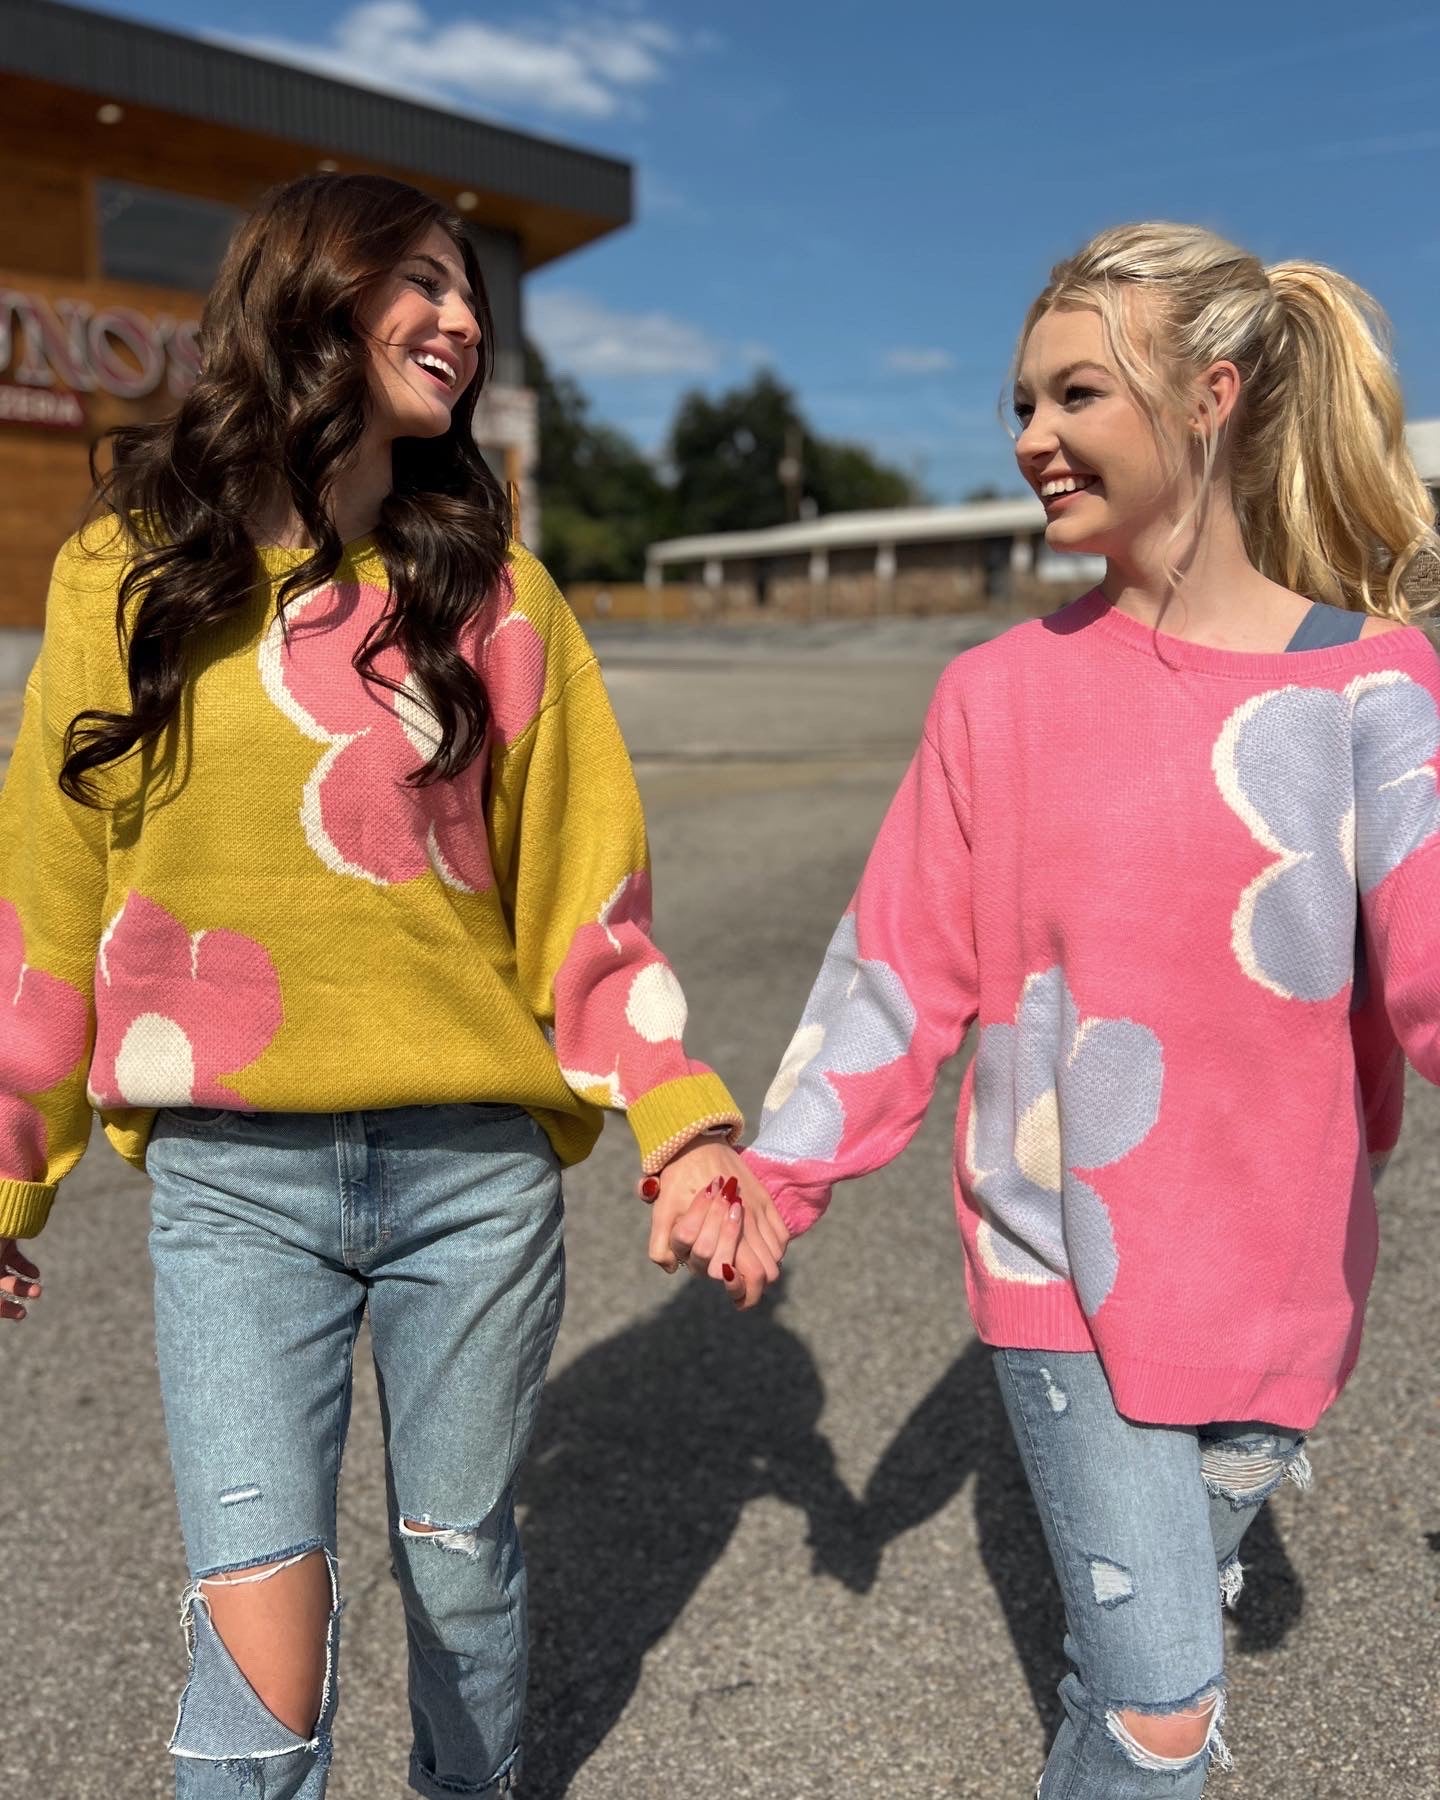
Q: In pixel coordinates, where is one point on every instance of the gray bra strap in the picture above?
(1325, 626)
(1321, 628)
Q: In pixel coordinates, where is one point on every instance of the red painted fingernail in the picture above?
(650, 1187)
(731, 1189)
(727, 1271)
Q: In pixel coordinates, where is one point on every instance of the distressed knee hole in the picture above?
(1173, 1738)
(464, 1540)
(1232, 1581)
(244, 1701)
(1111, 1583)
(1247, 1475)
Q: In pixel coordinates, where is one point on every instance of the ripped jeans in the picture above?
(1144, 1524)
(271, 1236)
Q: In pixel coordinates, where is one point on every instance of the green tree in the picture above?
(847, 478)
(743, 459)
(730, 454)
(602, 499)
(726, 455)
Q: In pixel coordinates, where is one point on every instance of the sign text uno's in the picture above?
(72, 344)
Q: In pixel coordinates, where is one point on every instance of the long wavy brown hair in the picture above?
(278, 410)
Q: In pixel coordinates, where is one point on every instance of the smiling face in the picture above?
(1085, 445)
(424, 340)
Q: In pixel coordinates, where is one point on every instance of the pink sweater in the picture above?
(1136, 862)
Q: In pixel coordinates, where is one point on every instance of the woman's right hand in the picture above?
(19, 1280)
(740, 1244)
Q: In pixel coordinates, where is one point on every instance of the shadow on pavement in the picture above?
(1274, 1596)
(957, 1433)
(650, 1445)
(648, 1449)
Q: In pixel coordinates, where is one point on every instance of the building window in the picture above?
(165, 240)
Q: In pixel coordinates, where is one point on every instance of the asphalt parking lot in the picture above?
(787, 1556)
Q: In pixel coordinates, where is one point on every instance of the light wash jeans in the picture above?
(1144, 1524)
(271, 1236)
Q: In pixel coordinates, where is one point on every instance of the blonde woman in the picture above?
(1176, 851)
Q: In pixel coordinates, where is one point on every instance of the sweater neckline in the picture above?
(1094, 611)
(277, 558)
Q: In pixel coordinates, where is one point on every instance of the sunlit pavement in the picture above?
(788, 1555)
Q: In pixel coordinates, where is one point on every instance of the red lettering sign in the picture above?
(40, 406)
(68, 344)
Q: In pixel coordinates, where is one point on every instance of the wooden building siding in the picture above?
(556, 196)
(44, 470)
(198, 123)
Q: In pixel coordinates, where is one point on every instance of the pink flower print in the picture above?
(360, 814)
(42, 1040)
(176, 1010)
(512, 665)
(619, 1011)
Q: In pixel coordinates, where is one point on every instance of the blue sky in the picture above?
(865, 196)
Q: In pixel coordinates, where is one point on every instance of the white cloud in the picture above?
(657, 194)
(589, 66)
(918, 362)
(585, 337)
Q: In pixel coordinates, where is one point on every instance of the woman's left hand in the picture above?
(694, 1221)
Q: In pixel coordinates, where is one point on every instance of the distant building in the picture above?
(1423, 437)
(909, 559)
(127, 156)
(905, 559)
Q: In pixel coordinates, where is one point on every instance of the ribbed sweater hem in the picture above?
(1148, 1389)
(1162, 1394)
(24, 1207)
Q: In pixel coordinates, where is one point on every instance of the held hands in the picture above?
(714, 1217)
(19, 1280)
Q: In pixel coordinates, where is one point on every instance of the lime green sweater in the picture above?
(264, 915)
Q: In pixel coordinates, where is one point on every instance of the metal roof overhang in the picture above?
(554, 196)
(930, 524)
(841, 531)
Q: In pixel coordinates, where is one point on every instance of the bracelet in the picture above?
(722, 1133)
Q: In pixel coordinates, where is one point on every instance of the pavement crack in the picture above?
(723, 1692)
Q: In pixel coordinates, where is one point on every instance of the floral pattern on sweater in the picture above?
(1054, 1094)
(178, 1011)
(1397, 740)
(1284, 763)
(858, 1019)
(46, 1027)
(634, 1026)
(361, 815)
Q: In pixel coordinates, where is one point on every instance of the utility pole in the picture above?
(791, 470)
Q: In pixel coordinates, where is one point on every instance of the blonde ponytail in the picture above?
(1331, 504)
(1328, 500)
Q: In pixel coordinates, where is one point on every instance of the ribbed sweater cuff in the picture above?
(669, 1116)
(799, 1207)
(800, 1210)
(24, 1207)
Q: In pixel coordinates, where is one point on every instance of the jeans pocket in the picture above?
(198, 1118)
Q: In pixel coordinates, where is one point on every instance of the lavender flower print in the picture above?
(1341, 789)
(1054, 1094)
(858, 1018)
